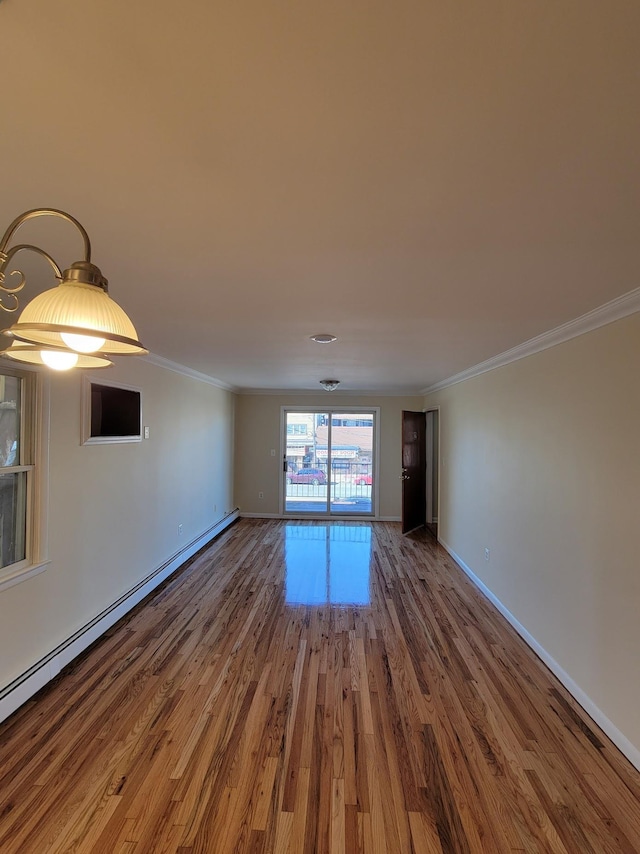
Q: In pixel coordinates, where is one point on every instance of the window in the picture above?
(329, 469)
(22, 541)
(13, 479)
(296, 429)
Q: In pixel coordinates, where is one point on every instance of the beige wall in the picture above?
(540, 462)
(114, 509)
(258, 431)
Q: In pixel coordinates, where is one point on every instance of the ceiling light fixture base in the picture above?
(323, 338)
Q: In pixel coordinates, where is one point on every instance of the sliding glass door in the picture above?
(328, 462)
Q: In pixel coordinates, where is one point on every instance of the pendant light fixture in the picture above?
(75, 324)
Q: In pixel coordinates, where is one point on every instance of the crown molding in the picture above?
(177, 368)
(617, 309)
(306, 392)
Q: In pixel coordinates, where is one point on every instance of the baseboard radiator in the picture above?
(47, 668)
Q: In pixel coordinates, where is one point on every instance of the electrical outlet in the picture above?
(179, 530)
(487, 554)
(261, 495)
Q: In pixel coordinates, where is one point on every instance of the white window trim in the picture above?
(38, 412)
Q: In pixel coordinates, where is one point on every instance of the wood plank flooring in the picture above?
(305, 687)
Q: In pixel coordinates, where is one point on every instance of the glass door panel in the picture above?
(306, 476)
(351, 444)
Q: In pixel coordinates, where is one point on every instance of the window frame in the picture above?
(34, 460)
(375, 461)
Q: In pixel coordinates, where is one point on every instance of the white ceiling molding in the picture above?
(307, 392)
(161, 362)
(618, 308)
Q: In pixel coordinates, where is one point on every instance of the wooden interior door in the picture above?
(414, 485)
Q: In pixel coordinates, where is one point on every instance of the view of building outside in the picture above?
(13, 482)
(329, 462)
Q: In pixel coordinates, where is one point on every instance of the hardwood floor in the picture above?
(395, 713)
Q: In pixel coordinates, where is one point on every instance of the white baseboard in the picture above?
(37, 676)
(318, 518)
(244, 515)
(618, 738)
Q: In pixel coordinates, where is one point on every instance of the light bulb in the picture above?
(82, 343)
(58, 359)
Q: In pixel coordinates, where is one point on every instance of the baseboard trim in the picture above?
(618, 738)
(319, 518)
(244, 515)
(36, 677)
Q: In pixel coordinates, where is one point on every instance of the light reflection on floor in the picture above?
(327, 564)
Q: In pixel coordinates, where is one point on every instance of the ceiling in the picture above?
(432, 182)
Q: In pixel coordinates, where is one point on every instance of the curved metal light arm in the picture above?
(27, 215)
(5, 258)
(6, 254)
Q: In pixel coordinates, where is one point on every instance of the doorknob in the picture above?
(405, 477)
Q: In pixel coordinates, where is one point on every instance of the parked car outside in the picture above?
(312, 476)
(363, 480)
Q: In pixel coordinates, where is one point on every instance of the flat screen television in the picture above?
(113, 413)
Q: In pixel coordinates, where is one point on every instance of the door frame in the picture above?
(330, 410)
(436, 408)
